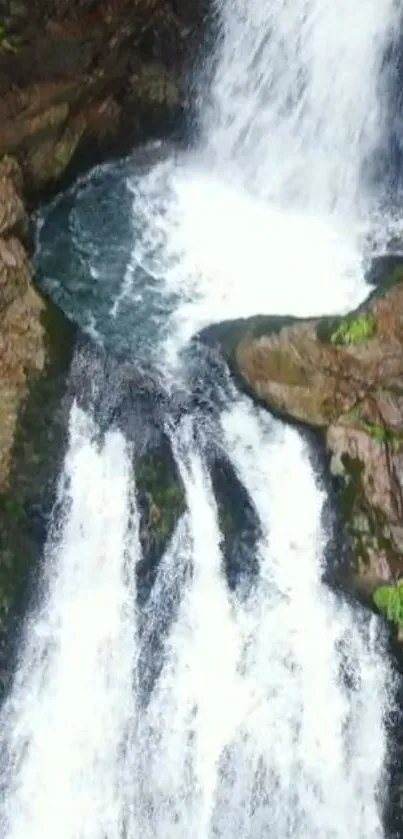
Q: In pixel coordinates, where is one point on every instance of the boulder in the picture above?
(344, 377)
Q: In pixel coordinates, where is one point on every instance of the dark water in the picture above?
(86, 259)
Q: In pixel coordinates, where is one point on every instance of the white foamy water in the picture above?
(267, 714)
(269, 214)
(64, 725)
(295, 108)
(320, 743)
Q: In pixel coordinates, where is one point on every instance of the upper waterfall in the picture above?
(296, 104)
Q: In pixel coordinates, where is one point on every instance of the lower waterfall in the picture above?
(267, 714)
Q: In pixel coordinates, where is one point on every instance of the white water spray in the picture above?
(269, 214)
(252, 726)
(63, 728)
(295, 105)
(321, 744)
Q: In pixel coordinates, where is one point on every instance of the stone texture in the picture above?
(81, 71)
(343, 376)
(36, 345)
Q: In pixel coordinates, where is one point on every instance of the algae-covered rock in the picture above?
(162, 502)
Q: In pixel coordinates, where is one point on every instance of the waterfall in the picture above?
(295, 108)
(250, 726)
(266, 713)
(275, 197)
(63, 727)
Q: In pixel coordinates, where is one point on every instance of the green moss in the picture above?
(353, 330)
(8, 43)
(164, 494)
(389, 601)
(381, 433)
(377, 432)
(7, 158)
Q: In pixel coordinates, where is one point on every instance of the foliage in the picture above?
(377, 432)
(354, 330)
(389, 600)
(7, 42)
(382, 434)
(163, 494)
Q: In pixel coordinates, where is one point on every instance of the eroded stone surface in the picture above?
(345, 377)
(82, 71)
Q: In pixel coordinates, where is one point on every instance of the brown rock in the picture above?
(77, 67)
(36, 343)
(344, 376)
(155, 84)
(15, 271)
(12, 210)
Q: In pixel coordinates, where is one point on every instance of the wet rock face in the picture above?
(88, 71)
(76, 77)
(343, 376)
(36, 344)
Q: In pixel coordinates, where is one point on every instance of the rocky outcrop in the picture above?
(36, 345)
(88, 72)
(343, 376)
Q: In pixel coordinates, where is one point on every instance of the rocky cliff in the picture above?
(88, 71)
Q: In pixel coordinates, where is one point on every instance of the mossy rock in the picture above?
(389, 601)
(350, 330)
(383, 435)
(162, 502)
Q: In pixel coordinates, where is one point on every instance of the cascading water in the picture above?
(266, 714)
(63, 726)
(294, 109)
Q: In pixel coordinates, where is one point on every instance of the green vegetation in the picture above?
(353, 330)
(7, 42)
(377, 432)
(163, 493)
(389, 600)
(382, 434)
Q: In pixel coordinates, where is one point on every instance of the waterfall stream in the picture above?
(266, 715)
